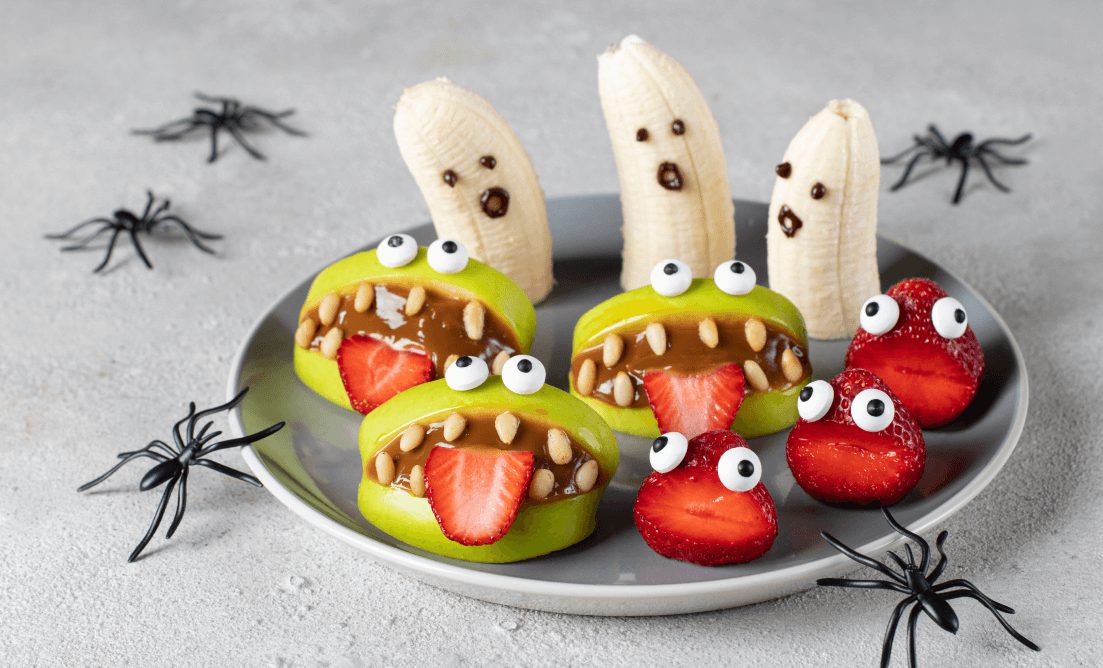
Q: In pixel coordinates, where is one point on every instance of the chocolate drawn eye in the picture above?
(447, 256)
(450, 178)
(739, 469)
(488, 161)
(466, 373)
(523, 374)
(872, 410)
(397, 250)
(879, 314)
(678, 127)
(818, 190)
(671, 278)
(949, 318)
(642, 134)
(734, 277)
(784, 170)
(668, 451)
(814, 400)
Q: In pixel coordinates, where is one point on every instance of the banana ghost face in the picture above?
(493, 200)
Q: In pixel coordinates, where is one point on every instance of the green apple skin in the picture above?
(476, 281)
(762, 413)
(539, 528)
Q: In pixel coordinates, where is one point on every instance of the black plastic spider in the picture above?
(923, 594)
(232, 116)
(123, 220)
(174, 462)
(963, 150)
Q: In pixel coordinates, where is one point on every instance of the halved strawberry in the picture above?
(475, 492)
(695, 403)
(373, 371)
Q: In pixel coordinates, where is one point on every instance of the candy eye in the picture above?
(523, 374)
(739, 469)
(671, 278)
(949, 318)
(397, 250)
(872, 410)
(815, 399)
(668, 451)
(879, 314)
(735, 277)
(447, 256)
(466, 373)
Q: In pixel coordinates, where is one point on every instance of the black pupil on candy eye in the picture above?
(524, 366)
(746, 468)
(464, 361)
(394, 242)
(875, 407)
(872, 308)
(806, 394)
(659, 444)
(670, 269)
(737, 267)
(449, 247)
(959, 315)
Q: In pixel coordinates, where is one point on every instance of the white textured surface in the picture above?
(92, 365)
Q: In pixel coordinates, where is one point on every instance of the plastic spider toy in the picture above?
(962, 149)
(124, 220)
(174, 461)
(922, 592)
(232, 116)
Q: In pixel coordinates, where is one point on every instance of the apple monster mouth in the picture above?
(670, 177)
(789, 221)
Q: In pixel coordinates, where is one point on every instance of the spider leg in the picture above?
(856, 556)
(166, 131)
(157, 517)
(188, 228)
(137, 455)
(215, 99)
(203, 431)
(941, 565)
(214, 144)
(83, 243)
(924, 548)
(908, 171)
(244, 144)
(1006, 625)
(913, 621)
(226, 470)
(862, 584)
(138, 247)
(190, 233)
(275, 119)
(110, 249)
(979, 594)
(79, 226)
(901, 154)
(890, 632)
(899, 562)
(998, 141)
(961, 181)
(991, 177)
(933, 129)
(160, 445)
(260, 435)
(1003, 159)
(181, 503)
(223, 407)
(176, 427)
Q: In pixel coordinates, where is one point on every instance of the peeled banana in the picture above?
(674, 189)
(478, 181)
(822, 238)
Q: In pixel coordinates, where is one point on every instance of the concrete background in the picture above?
(91, 365)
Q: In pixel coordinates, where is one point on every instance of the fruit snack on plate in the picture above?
(381, 321)
(693, 355)
(486, 468)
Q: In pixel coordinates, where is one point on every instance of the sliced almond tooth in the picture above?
(415, 300)
(623, 391)
(611, 350)
(587, 378)
(331, 342)
(708, 333)
(559, 446)
(454, 425)
(586, 476)
(304, 335)
(755, 332)
(451, 359)
(417, 480)
(506, 424)
(384, 468)
(411, 438)
(543, 482)
(327, 309)
(499, 362)
(365, 295)
(791, 366)
(474, 319)
(656, 337)
(755, 376)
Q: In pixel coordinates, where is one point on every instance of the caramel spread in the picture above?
(685, 347)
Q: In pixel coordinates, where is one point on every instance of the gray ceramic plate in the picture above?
(313, 466)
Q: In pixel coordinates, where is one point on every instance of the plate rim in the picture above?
(780, 579)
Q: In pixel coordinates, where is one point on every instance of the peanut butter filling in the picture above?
(612, 371)
(562, 467)
(419, 318)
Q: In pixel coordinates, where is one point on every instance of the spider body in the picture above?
(963, 150)
(124, 221)
(174, 461)
(924, 594)
(230, 116)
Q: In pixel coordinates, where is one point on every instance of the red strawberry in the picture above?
(695, 403)
(475, 492)
(373, 371)
(934, 376)
(688, 514)
(836, 461)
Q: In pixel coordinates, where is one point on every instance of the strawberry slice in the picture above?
(475, 492)
(373, 371)
(695, 403)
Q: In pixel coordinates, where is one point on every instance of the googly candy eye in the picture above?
(739, 469)
(523, 374)
(879, 314)
(814, 400)
(671, 278)
(447, 256)
(735, 277)
(466, 373)
(872, 410)
(668, 451)
(949, 318)
(397, 250)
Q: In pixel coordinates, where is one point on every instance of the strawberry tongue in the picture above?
(475, 492)
(373, 371)
(695, 403)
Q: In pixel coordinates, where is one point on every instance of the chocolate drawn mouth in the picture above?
(670, 177)
(495, 202)
(789, 221)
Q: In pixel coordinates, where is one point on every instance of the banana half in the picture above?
(478, 181)
(674, 189)
(822, 238)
